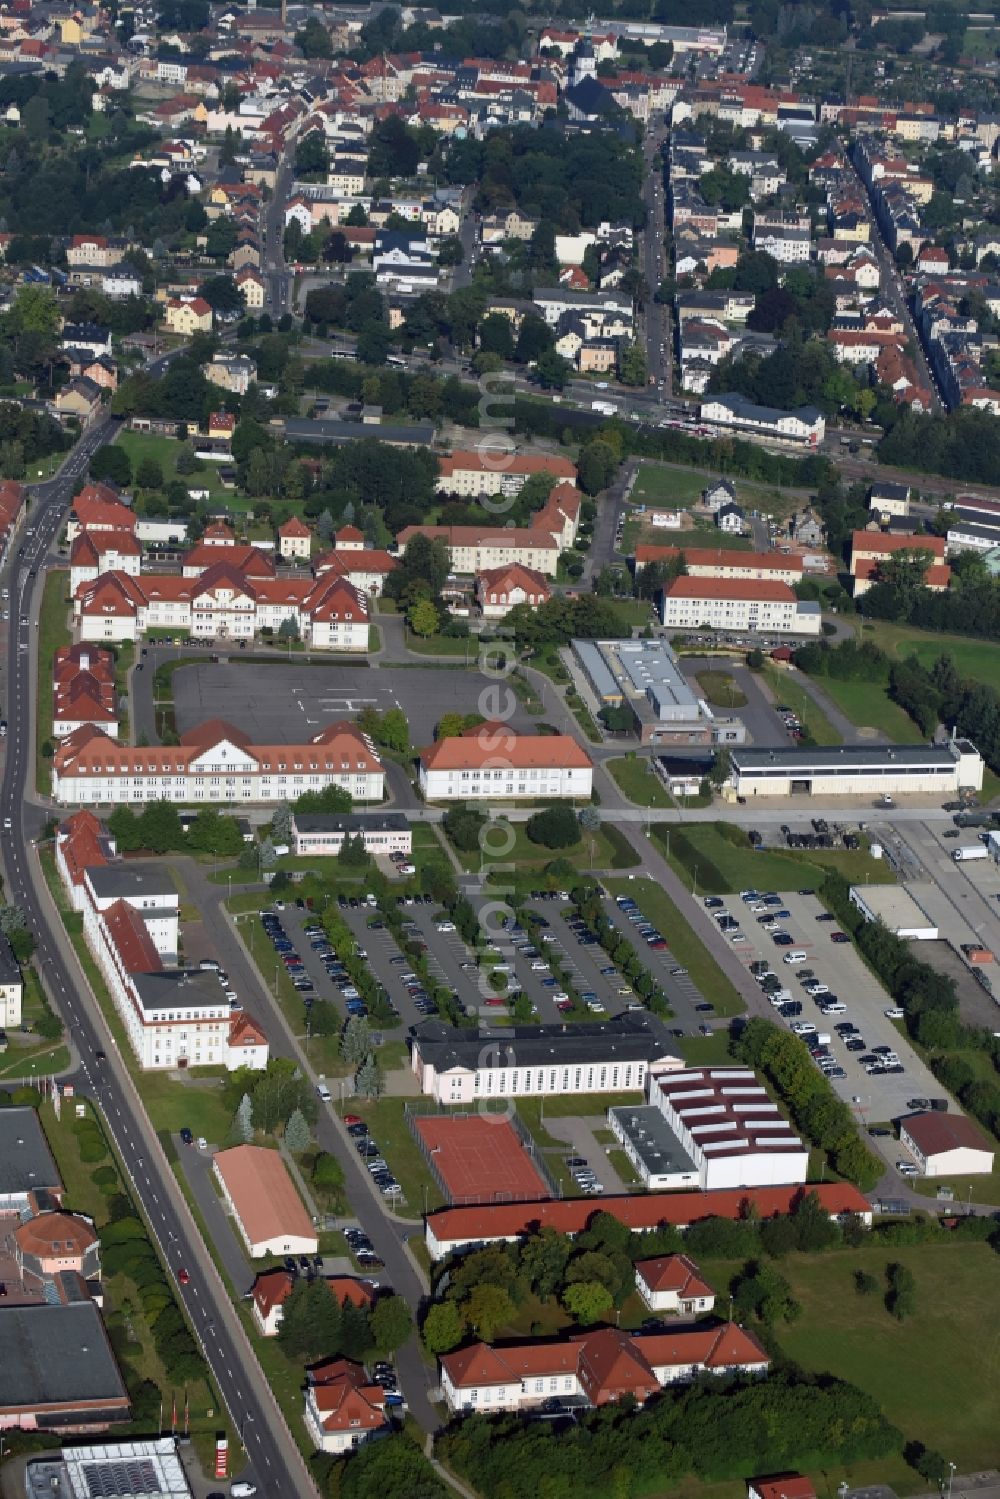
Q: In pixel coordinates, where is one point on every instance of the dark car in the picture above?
(186, 1136)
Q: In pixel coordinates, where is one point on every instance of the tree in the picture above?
(161, 827)
(356, 1041)
(244, 1119)
(422, 617)
(597, 464)
(391, 1323)
(281, 823)
(297, 1133)
(314, 41)
(632, 362)
(444, 1327)
(554, 827)
(488, 1308)
(588, 1301)
(330, 799)
(111, 465)
(369, 1079)
(353, 854)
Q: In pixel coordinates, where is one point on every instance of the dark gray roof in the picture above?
(26, 1163)
(178, 989)
(842, 757)
(751, 412)
(56, 1355)
(300, 429)
(121, 881)
(350, 822)
(882, 490)
(635, 1036)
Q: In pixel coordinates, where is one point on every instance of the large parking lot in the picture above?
(288, 704)
(879, 1097)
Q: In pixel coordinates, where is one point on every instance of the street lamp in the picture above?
(951, 1477)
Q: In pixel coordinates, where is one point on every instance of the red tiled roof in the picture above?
(640, 1213)
(718, 557)
(263, 1194)
(881, 543)
(783, 1486)
(673, 1272)
(498, 745)
(766, 590)
(515, 463)
(293, 526)
(130, 936)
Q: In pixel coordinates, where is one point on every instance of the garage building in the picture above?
(946, 1145)
(896, 908)
(857, 770)
(265, 1205)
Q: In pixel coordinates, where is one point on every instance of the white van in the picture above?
(794, 957)
(323, 1093)
(242, 1490)
(837, 1008)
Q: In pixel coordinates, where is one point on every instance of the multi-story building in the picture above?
(476, 549)
(806, 425)
(500, 589)
(595, 1368)
(709, 562)
(221, 601)
(474, 474)
(83, 691)
(869, 549)
(173, 1017)
(460, 1066)
(214, 763)
(737, 603)
(491, 762)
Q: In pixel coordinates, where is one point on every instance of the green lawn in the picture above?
(723, 866)
(705, 1051)
(720, 689)
(637, 780)
(597, 850)
(635, 613)
(660, 484)
(790, 693)
(974, 658)
(688, 949)
(164, 450)
(868, 705)
(53, 632)
(933, 1375)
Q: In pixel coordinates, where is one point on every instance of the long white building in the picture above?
(742, 604)
(929, 770)
(174, 1017)
(491, 762)
(214, 763)
(616, 1056)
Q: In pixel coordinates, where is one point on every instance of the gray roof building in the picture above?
(26, 1163)
(120, 881)
(57, 1369)
(635, 1036)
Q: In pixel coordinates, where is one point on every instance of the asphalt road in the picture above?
(274, 1462)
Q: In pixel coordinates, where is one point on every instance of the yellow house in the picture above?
(189, 317)
(251, 284)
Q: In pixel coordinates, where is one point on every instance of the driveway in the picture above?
(762, 722)
(230, 1254)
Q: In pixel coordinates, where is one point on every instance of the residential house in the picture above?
(673, 1283)
(496, 763)
(187, 317)
(498, 590)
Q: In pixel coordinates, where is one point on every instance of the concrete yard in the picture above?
(290, 703)
(876, 1099)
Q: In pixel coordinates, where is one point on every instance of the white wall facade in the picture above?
(506, 783)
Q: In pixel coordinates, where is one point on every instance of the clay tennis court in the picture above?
(479, 1158)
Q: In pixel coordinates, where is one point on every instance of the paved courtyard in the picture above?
(289, 703)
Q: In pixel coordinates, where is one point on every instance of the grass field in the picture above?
(164, 450)
(640, 784)
(688, 949)
(661, 484)
(868, 705)
(954, 1332)
(723, 866)
(721, 690)
(793, 695)
(979, 659)
(53, 632)
(596, 850)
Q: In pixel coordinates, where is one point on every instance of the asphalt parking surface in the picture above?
(876, 1099)
(289, 704)
(763, 725)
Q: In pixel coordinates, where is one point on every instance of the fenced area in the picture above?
(481, 1158)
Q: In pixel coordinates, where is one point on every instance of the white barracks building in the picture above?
(741, 604)
(214, 763)
(928, 770)
(491, 761)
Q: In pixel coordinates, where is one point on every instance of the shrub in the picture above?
(554, 827)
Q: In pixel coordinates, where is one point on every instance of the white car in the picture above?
(894, 1013)
(444, 926)
(803, 1028)
(538, 966)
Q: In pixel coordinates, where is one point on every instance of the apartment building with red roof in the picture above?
(83, 691)
(492, 761)
(475, 549)
(272, 1289)
(500, 589)
(781, 1486)
(366, 569)
(594, 1368)
(673, 1283)
(342, 1408)
(473, 474)
(720, 562)
(453, 1230)
(98, 508)
(871, 548)
(94, 552)
(214, 762)
(737, 604)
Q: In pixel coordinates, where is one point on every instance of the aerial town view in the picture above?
(499, 750)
